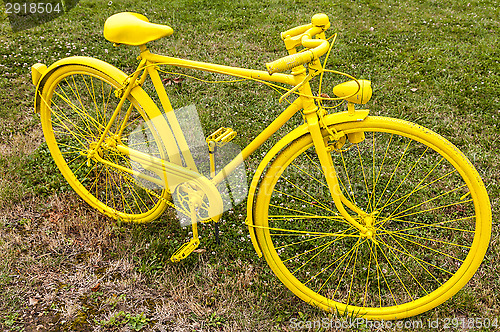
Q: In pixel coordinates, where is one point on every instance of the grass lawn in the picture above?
(65, 267)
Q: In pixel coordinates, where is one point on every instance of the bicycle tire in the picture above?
(425, 249)
(77, 102)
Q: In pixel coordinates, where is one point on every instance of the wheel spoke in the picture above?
(308, 174)
(394, 270)
(365, 295)
(82, 113)
(394, 172)
(407, 196)
(352, 276)
(435, 225)
(427, 201)
(425, 238)
(426, 247)
(406, 176)
(351, 193)
(434, 208)
(312, 203)
(364, 178)
(307, 233)
(418, 260)
(380, 169)
(324, 246)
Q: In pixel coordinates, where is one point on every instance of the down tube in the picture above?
(259, 140)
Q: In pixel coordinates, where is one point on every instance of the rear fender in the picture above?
(40, 73)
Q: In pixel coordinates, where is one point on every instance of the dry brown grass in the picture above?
(72, 269)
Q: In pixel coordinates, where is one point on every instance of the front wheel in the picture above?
(424, 201)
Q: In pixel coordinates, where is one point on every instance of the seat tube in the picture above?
(311, 117)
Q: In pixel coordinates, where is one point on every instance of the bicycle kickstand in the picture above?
(219, 138)
(189, 247)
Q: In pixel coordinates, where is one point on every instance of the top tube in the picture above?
(289, 79)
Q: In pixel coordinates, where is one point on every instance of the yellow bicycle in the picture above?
(358, 214)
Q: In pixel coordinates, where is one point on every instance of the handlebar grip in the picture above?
(289, 62)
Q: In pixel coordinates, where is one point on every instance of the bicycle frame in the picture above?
(278, 216)
(298, 79)
(153, 59)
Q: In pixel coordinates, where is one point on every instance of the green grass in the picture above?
(66, 267)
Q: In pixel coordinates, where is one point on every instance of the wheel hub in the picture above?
(369, 221)
(93, 150)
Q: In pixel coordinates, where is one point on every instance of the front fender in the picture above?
(330, 119)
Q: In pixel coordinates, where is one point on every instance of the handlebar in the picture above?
(302, 35)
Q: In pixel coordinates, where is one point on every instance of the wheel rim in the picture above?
(376, 279)
(82, 101)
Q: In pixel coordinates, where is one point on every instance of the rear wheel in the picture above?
(77, 104)
(425, 203)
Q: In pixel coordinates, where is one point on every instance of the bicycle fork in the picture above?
(312, 120)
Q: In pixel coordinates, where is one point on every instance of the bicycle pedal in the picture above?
(185, 250)
(221, 136)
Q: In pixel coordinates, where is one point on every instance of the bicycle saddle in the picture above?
(133, 29)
